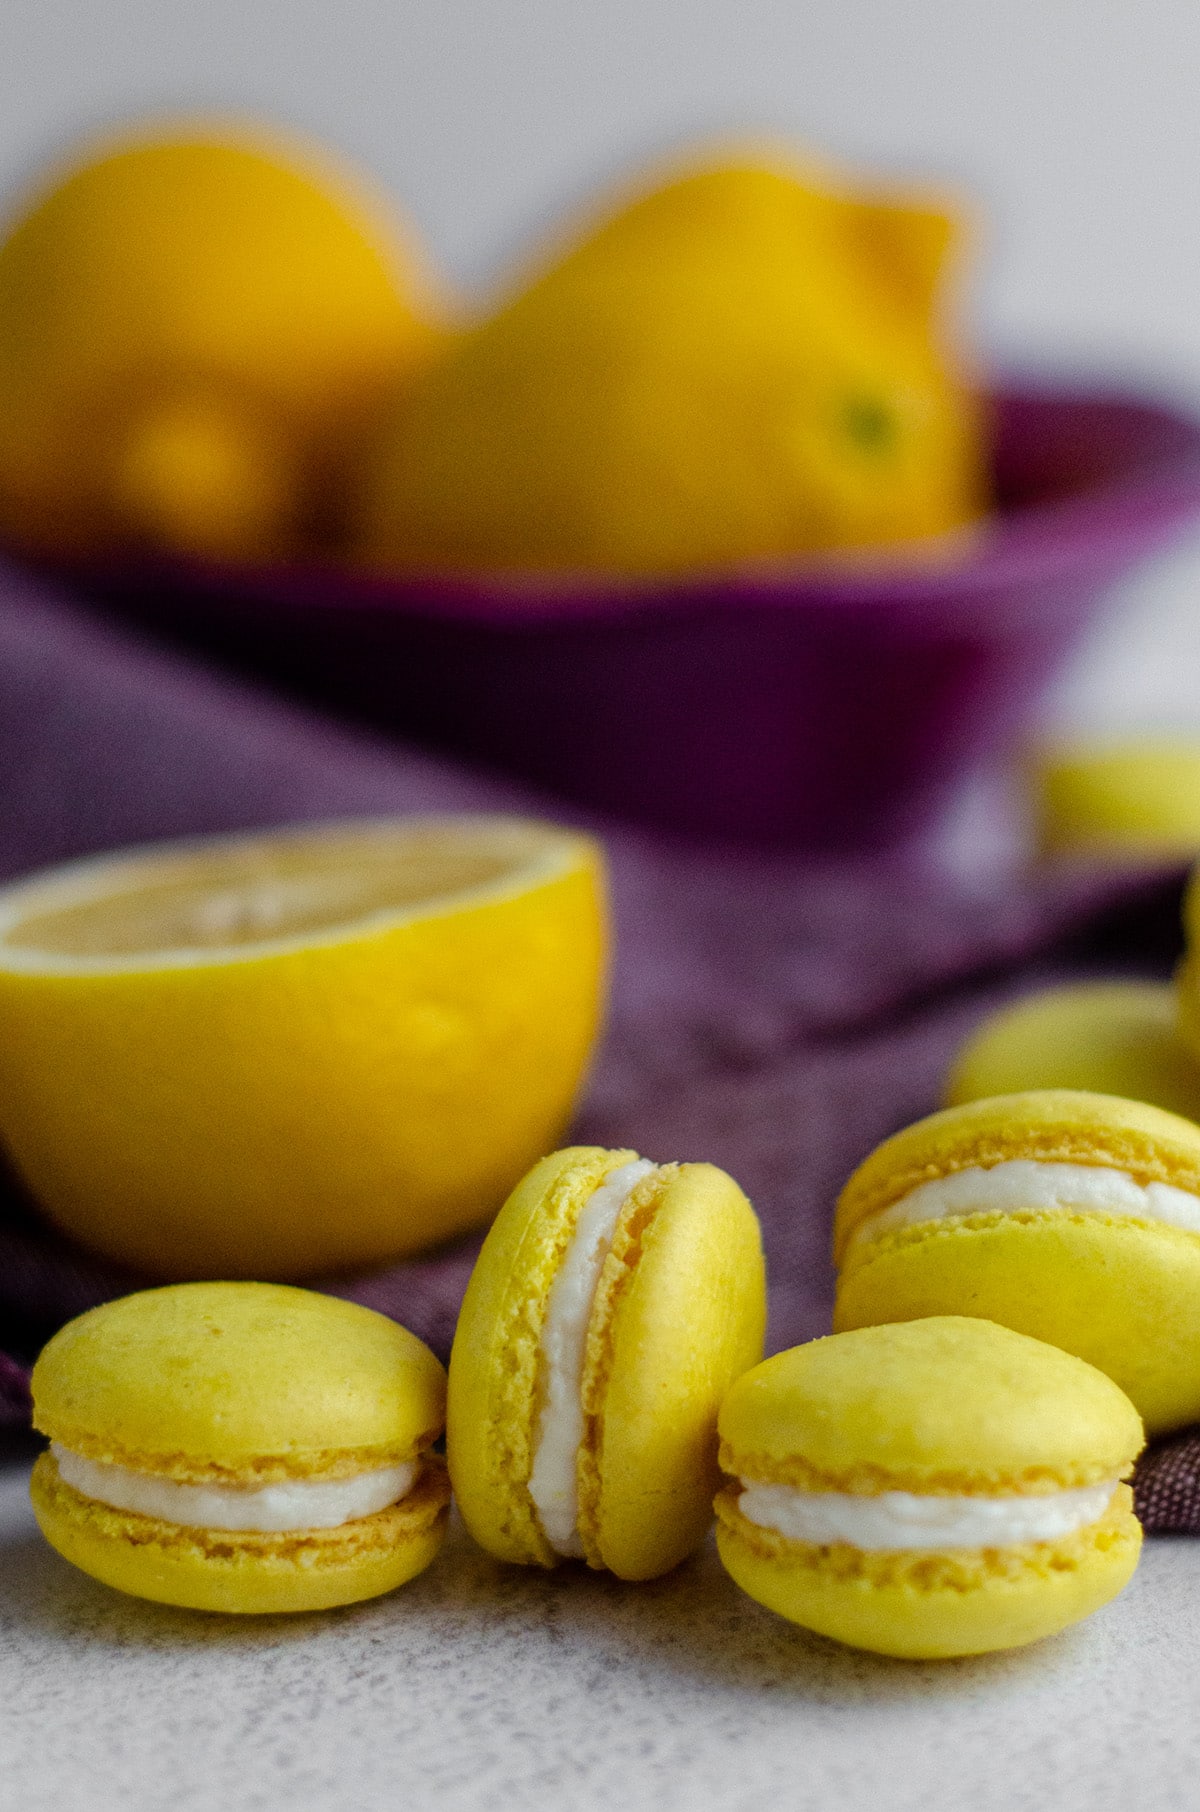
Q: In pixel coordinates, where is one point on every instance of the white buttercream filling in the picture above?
(902, 1519)
(290, 1504)
(552, 1483)
(1025, 1186)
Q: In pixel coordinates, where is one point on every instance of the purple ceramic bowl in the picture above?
(779, 704)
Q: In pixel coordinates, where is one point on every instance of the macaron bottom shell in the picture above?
(930, 1605)
(244, 1572)
(1121, 1294)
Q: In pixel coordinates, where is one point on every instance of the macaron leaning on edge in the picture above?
(240, 1447)
(612, 1305)
(1070, 1216)
(929, 1488)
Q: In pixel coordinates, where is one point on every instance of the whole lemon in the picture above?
(193, 327)
(294, 1051)
(745, 361)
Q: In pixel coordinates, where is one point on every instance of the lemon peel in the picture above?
(745, 360)
(240, 283)
(305, 1050)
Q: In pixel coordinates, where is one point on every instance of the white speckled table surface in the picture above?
(480, 1686)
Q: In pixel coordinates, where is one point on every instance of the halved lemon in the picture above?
(285, 1053)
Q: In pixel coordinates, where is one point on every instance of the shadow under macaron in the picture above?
(693, 1623)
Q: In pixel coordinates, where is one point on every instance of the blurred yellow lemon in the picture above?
(746, 361)
(193, 328)
(273, 1055)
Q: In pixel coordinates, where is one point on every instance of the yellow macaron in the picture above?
(1187, 979)
(1139, 799)
(1070, 1216)
(936, 1488)
(1112, 1038)
(613, 1304)
(241, 1447)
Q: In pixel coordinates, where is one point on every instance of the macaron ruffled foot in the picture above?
(241, 1447)
(1068, 1216)
(929, 1489)
(613, 1304)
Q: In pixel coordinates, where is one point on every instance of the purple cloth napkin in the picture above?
(772, 1015)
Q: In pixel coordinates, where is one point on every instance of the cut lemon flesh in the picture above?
(183, 899)
(275, 1054)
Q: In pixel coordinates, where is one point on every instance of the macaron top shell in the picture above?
(944, 1405)
(239, 1381)
(1059, 1126)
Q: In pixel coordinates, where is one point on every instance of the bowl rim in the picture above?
(1093, 531)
